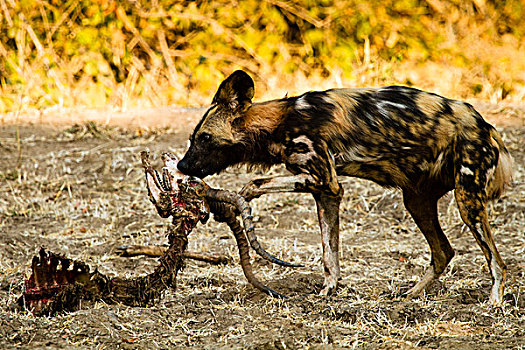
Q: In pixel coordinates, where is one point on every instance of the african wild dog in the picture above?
(422, 143)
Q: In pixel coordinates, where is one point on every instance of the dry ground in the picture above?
(80, 192)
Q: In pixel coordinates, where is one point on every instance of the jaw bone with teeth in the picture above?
(59, 284)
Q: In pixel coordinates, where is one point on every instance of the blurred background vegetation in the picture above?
(106, 53)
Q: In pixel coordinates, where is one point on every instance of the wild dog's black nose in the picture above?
(183, 166)
(187, 167)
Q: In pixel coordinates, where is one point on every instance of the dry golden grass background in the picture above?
(119, 55)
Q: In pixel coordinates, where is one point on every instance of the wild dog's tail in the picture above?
(502, 175)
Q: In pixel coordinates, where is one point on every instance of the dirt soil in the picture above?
(79, 191)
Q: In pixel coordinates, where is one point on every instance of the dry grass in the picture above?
(80, 193)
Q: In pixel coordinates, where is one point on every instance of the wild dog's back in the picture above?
(403, 137)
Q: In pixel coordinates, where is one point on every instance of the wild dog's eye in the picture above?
(205, 136)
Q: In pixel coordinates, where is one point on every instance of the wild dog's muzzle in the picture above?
(184, 166)
(193, 169)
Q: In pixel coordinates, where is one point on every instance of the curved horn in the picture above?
(246, 213)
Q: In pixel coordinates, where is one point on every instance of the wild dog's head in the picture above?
(215, 143)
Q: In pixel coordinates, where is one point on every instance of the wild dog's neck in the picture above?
(264, 117)
(259, 124)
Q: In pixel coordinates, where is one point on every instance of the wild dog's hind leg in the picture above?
(423, 208)
(328, 214)
(472, 207)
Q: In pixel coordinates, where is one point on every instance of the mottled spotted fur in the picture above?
(396, 136)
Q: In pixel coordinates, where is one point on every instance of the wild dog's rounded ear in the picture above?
(236, 90)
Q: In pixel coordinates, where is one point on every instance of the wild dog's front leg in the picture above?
(278, 184)
(328, 214)
(327, 192)
(316, 174)
(327, 211)
(314, 171)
